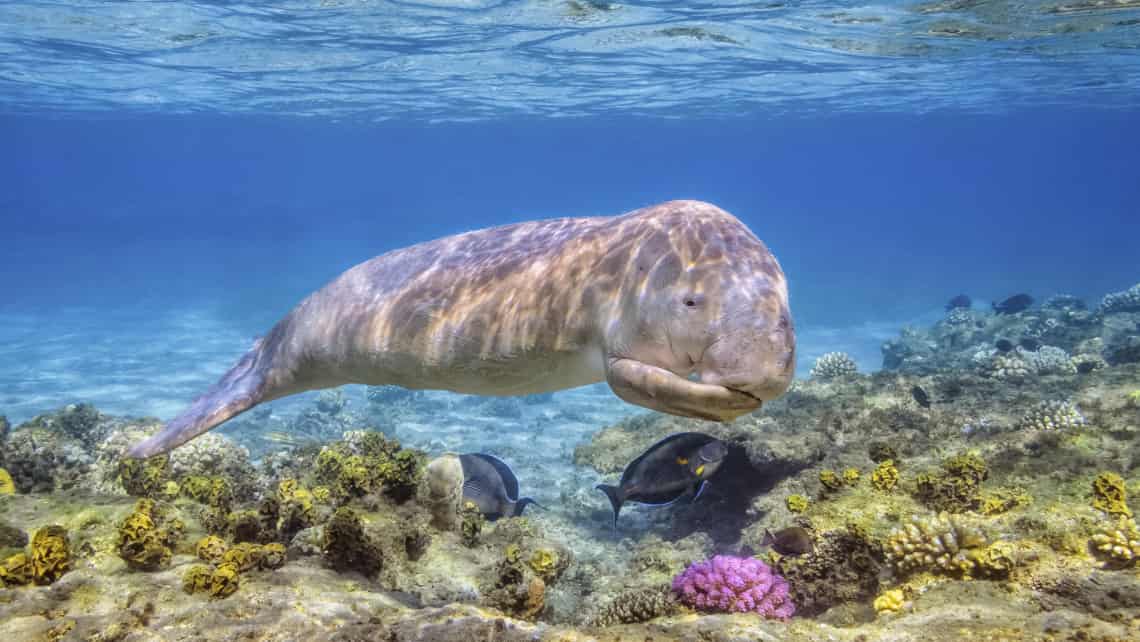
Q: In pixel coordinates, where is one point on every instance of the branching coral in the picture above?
(833, 365)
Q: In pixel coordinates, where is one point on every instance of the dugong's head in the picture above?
(709, 306)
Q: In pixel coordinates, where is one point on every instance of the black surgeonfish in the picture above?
(491, 484)
(678, 464)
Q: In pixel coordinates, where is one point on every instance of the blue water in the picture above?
(174, 177)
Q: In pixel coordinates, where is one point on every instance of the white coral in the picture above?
(833, 365)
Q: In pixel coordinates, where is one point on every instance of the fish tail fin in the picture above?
(240, 389)
(769, 539)
(523, 502)
(614, 495)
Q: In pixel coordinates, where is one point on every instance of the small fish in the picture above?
(1029, 344)
(920, 396)
(287, 439)
(669, 469)
(960, 301)
(792, 540)
(1013, 304)
(491, 484)
(1003, 345)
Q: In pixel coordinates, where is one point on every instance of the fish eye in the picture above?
(691, 300)
(690, 303)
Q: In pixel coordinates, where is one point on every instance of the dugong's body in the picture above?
(647, 300)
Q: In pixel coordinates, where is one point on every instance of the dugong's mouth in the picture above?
(759, 401)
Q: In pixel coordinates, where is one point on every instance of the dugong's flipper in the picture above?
(238, 390)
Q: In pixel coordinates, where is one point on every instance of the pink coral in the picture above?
(734, 584)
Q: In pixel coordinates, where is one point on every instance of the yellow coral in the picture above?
(16, 571)
(211, 548)
(796, 503)
(892, 601)
(830, 480)
(1001, 500)
(143, 543)
(885, 476)
(197, 579)
(224, 581)
(1133, 398)
(544, 562)
(197, 488)
(851, 476)
(51, 555)
(1109, 495)
(243, 556)
(7, 486)
(285, 490)
(321, 493)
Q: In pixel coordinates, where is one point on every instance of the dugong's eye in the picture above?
(692, 300)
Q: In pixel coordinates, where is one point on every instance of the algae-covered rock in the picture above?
(12, 537)
(442, 491)
(956, 488)
(347, 547)
(843, 567)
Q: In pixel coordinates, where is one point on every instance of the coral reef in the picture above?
(734, 585)
(833, 365)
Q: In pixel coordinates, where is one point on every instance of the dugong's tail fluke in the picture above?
(238, 390)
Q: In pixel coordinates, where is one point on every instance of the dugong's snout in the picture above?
(758, 359)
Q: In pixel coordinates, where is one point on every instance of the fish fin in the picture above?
(472, 488)
(510, 480)
(614, 495)
(241, 388)
(522, 503)
(769, 538)
(700, 489)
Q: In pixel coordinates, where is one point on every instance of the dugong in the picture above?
(678, 306)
